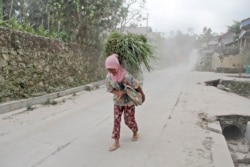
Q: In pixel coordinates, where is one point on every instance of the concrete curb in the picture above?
(220, 151)
(15, 105)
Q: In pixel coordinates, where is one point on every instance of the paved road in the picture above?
(77, 133)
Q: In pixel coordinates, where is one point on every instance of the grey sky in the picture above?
(167, 15)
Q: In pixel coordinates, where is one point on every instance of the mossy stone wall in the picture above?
(31, 65)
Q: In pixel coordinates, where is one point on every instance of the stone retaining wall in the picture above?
(242, 88)
(32, 66)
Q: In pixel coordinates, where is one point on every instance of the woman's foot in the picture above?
(114, 147)
(135, 136)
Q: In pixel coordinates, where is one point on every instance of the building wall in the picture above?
(231, 62)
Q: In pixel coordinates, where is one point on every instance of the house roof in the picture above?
(213, 41)
(227, 38)
(245, 24)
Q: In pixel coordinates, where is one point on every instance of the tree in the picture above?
(207, 31)
(207, 35)
(84, 21)
(132, 16)
(235, 28)
(24, 11)
(9, 8)
(36, 13)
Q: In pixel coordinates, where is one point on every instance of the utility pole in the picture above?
(147, 20)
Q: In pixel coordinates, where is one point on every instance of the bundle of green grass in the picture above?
(133, 51)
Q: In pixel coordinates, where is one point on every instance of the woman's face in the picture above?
(112, 71)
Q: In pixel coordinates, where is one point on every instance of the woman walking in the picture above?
(115, 80)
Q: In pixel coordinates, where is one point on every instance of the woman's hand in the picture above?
(118, 93)
(142, 93)
(143, 97)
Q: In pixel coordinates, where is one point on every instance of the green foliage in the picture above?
(235, 28)
(133, 50)
(3, 23)
(14, 24)
(85, 21)
(64, 36)
(40, 31)
(81, 21)
(27, 28)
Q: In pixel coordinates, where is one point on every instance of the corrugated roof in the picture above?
(245, 24)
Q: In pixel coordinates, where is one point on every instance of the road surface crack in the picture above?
(60, 148)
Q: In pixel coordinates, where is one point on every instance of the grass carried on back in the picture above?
(133, 50)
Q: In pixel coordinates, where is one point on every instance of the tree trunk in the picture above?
(1, 9)
(11, 6)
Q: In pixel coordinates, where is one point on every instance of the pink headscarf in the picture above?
(112, 62)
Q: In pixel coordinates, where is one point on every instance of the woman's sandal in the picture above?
(114, 147)
(135, 137)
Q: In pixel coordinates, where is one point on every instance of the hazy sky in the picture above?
(167, 15)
